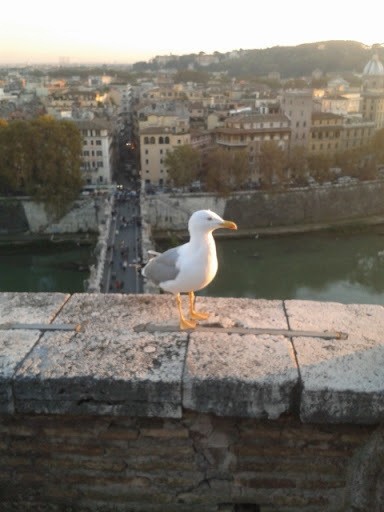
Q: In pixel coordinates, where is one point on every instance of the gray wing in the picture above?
(163, 267)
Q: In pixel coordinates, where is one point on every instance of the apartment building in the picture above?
(98, 153)
(325, 134)
(122, 96)
(357, 132)
(240, 131)
(161, 127)
(155, 142)
(249, 131)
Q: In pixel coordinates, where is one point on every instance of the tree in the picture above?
(183, 165)
(320, 167)
(41, 158)
(297, 164)
(225, 170)
(272, 162)
(56, 178)
(215, 174)
(377, 145)
(16, 155)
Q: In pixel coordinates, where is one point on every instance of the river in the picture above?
(325, 266)
(45, 267)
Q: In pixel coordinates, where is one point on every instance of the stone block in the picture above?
(16, 344)
(241, 375)
(342, 380)
(107, 368)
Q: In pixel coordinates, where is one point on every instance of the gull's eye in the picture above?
(209, 218)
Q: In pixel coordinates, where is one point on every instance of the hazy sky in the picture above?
(36, 31)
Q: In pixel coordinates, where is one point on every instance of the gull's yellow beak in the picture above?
(228, 224)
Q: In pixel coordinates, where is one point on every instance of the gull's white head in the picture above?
(205, 221)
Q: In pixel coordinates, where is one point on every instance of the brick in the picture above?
(180, 433)
(123, 493)
(153, 464)
(119, 434)
(265, 482)
(75, 462)
(155, 448)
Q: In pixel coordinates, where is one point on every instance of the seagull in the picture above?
(191, 266)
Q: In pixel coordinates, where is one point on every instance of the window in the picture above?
(152, 140)
(99, 153)
(146, 140)
(98, 142)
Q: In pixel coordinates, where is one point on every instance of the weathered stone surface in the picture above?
(106, 368)
(241, 375)
(15, 344)
(343, 380)
(110, 367)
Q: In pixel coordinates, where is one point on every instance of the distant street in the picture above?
(122, 265)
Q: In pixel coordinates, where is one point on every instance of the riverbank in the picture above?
(43, 239)
(375, 222)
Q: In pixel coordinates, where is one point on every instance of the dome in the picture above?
(374, 67)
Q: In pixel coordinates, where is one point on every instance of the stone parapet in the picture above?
(110, 367)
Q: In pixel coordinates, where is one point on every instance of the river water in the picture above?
(45, 267)
(347, 268)
(341, 267)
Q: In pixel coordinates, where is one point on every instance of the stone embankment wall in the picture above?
(24, 215)
(111, 416)
(258, 209)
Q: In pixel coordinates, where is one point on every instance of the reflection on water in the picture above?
(316, 266)
(44, 268)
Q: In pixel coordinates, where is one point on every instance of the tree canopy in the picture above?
(41, 158)
(225, 171)
(183, 165)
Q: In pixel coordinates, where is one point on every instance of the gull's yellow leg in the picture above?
(184, 324)
(192, 313)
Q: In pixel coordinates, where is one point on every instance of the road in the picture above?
(121, 275)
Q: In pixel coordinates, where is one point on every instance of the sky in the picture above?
(126, 31)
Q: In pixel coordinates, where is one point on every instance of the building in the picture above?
(356, 132)
(239, 131)
(372, 107)
(161, 126)
(155, 142)
(99, 155)
(298, 106)
(325, 134)
(249, 131)
(372, 96)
